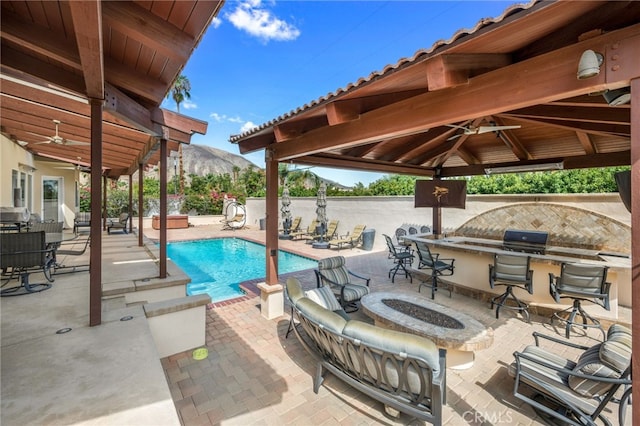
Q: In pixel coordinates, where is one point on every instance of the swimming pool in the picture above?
(217, 266)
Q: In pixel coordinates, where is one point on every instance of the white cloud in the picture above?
(216, 22)
(252, 17)
(236, 119)
(247, 126)
(217, 117)
(189, 105)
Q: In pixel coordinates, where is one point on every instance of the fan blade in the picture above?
(72, 142)
(38, 135)
(486, 129)
(49, 140)
(456, 136)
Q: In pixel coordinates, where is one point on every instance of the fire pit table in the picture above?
(454, 331)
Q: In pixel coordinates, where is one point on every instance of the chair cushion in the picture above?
(324, 297)
(354, 292)
(590, 363)
(615, 352)
(394, 341)
(316, 313)
(294, 290)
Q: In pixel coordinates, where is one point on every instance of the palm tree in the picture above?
(179, 92)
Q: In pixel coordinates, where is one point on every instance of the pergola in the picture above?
(101, 70)
(505, 93)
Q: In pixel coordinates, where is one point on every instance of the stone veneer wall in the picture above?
(567, 226)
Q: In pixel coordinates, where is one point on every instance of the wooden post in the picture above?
(130, 203)
(163, 207)
(271, 238)
(635, 239)
(95, 251)
(140, 202)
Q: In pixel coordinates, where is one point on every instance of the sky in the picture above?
(259, 60)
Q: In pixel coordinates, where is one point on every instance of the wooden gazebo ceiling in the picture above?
(57, 55)
(516, 70)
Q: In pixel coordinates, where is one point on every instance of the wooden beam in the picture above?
(491, 93)
(178, 121)
(87, 25)
(141, 25)
(339, 112)
(587, 143)
(45, 71)
(450, 70)
(40, 40)
(130, 111)
(340, 162)
(635, 236)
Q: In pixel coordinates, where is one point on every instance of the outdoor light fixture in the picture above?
(618, 96)
(525, 168)
(589, 65)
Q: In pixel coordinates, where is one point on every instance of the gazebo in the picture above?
(546, 85)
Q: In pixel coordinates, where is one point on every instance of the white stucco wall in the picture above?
(14, 157)
(385, 214)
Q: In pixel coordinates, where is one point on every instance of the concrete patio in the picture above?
(111, 374)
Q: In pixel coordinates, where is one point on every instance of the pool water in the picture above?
(218, 266)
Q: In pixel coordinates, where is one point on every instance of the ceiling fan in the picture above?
(471, 130)
(57, 139)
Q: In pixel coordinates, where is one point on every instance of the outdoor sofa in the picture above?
(405, 372)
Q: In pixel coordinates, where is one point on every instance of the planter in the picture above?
(177, 221)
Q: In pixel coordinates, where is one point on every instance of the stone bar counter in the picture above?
(473, 256)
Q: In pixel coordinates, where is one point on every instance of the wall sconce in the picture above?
(618, 96)
(589, 65)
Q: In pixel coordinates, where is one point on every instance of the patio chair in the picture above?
(438, 267)
(61, 251)
(82, 220)
(330, 232)
(580, 283)
(24, 253)
(332, 272)
(575, 391)
(47, 227)
(511, 271)
(400, 260)
(120, 224)
(323, 296)
(310, 230)
(350, 240)
(295, 225)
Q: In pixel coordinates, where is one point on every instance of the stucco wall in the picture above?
(385, 214)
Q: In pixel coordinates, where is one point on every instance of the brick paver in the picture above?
(254, 375)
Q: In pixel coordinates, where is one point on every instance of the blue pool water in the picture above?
(219, 265)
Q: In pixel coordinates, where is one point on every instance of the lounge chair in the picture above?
(332, 272)
(295, 225)
(575, 391)
(349, 240)
(120, 224)
(332, 229)
(311, 230)
(24, 253)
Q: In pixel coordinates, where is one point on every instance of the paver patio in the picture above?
(254, 375)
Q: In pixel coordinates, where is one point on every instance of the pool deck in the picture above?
(111, 374)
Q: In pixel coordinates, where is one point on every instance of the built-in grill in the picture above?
(13, 217)
(525, 241)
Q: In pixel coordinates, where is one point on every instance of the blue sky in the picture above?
(261, 59)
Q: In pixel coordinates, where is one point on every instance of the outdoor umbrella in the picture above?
(286, 212)
(321, 209)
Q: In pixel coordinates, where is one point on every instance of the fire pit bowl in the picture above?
(454, 331)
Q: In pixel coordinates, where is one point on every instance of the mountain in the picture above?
(202, 160)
